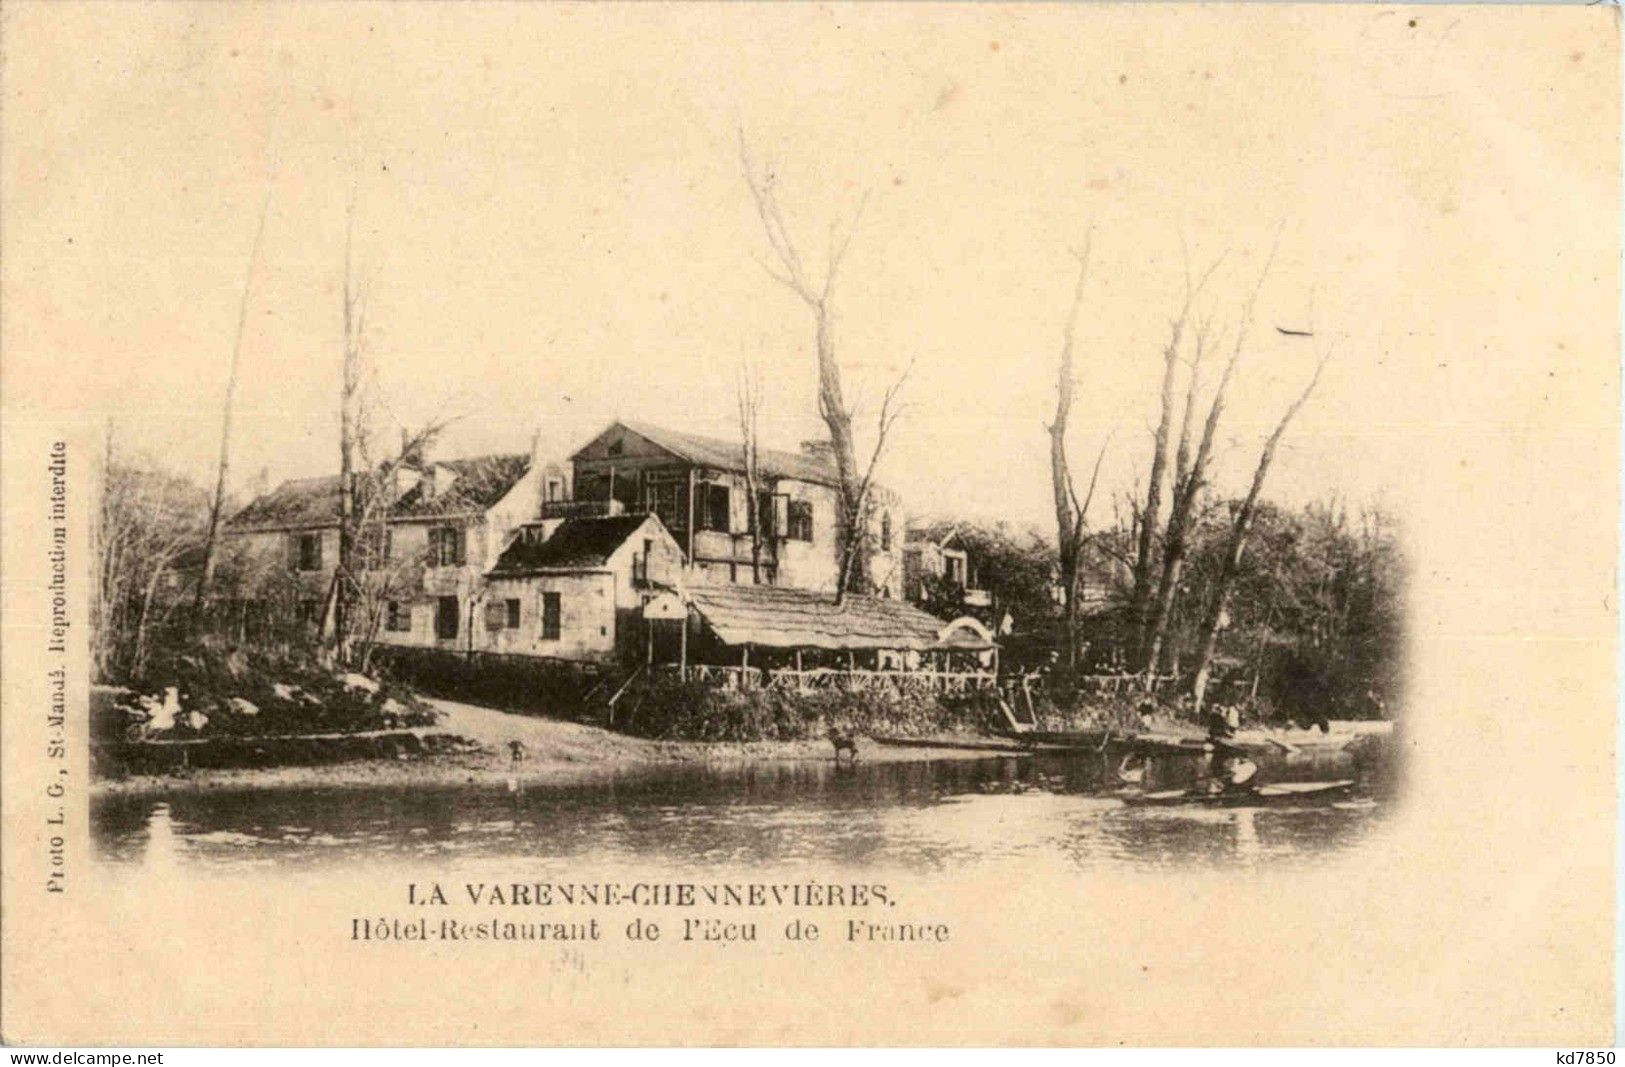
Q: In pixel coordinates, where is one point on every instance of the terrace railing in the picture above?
(831, 679)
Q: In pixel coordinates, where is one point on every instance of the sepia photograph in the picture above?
(698, 495)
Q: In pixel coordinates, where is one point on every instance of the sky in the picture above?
(552, 228)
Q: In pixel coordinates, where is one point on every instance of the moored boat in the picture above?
(1278, 793)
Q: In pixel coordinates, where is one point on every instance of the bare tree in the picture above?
(749, 394)
(1071, 514)
(853, 548)
(377, 571)
(1238, 539)
(206, 572)
(148, 521)
(335, 622)
(789, 270)
(1188, 474)
(353, 607)
(1145, 560)
(1190, 478)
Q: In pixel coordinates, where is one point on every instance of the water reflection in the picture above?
(925, 816)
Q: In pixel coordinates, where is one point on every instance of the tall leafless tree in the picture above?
(788, 269)
(1239, 526)
(1150, 515)
(1071, 514)
(854, 549)
(749, 395)
(206, 571)
(1190, 478)
(335, 624)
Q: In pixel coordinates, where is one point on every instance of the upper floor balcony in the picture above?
(582, 509)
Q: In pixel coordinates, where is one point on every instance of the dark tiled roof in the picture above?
(777, 617)
(576, 544)
(301, 502)
(730, 455)
(481, 481)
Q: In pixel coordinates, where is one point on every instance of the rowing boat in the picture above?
(1279, 793)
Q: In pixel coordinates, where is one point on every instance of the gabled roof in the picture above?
(480, 482)
(940, 533)
(721, 454)
(776, 617)
(578, 544)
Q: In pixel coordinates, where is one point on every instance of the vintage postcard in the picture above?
(887, 524)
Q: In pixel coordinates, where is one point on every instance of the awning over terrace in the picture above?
(773, 617)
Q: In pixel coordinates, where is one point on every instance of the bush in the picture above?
(516, 683)
(674, 710)
(290, 693)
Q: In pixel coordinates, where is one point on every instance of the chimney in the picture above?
(536, 460)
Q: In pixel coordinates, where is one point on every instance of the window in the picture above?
(953, 568)
(717, 503)
(669, 500)
(445, 618)
(447, 547)
(801, 520)
(399, 617)
(502, 613)
(885, 532)
(550, 616)
(307, 552)
(555, 489)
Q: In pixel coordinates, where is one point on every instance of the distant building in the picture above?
(935, 557)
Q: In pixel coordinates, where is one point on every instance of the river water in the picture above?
(925, 816)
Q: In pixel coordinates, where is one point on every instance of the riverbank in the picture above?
(555, 753)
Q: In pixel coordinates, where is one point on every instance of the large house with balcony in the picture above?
(698, 487)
